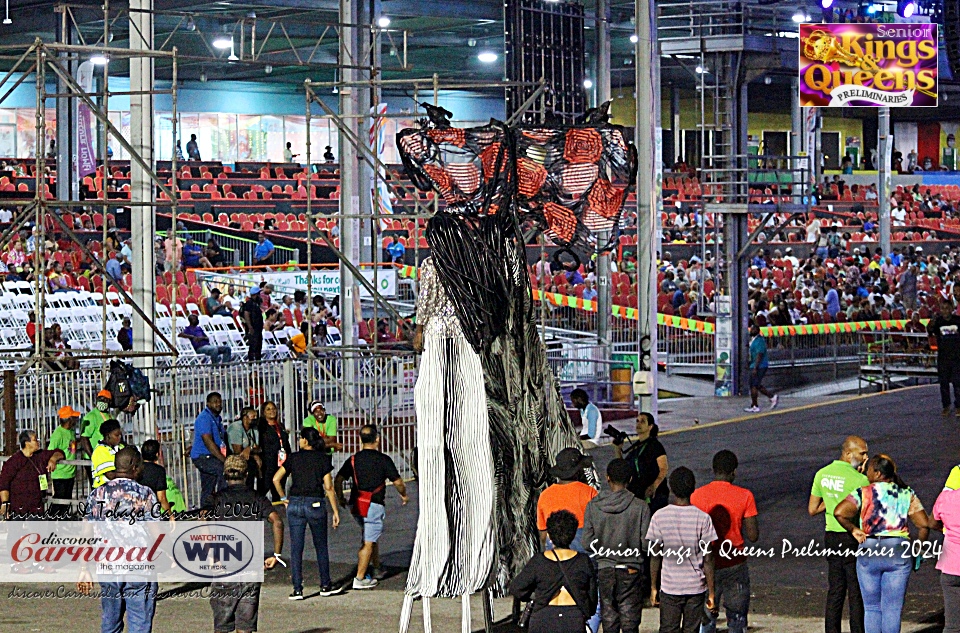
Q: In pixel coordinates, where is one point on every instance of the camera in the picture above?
(619, 437)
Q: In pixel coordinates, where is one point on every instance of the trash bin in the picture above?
(622, 377)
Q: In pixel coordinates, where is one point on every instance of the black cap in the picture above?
(570, 461)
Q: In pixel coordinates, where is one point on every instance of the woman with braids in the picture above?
(275, 447)
(883, 508)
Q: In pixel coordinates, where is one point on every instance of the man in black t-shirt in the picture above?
(252, 317)
(154, 475)
(369, 469)
(946, 327)
(236, 605)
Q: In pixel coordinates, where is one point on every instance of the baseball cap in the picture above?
(67, 412)
(254, 291)
(105, 393)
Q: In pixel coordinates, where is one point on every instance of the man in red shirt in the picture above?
(734, 514)
(25, 477)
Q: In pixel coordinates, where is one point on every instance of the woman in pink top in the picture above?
(946, 517)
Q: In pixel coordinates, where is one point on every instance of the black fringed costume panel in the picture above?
(571, 182)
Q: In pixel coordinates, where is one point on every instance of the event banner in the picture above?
(325, 282)
(131, 548)
(875, 65)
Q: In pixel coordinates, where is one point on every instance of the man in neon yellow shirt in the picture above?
(325, 424)
(103, 455)
(831, 485)
(64, 438)
(90, 426)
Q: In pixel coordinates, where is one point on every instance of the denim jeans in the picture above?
(732, 588)
(681, 613)
(621, 604)
(211, 476)
(217, 353)
(138, 600)
(842, 584)
(300, 514)
(883, 584)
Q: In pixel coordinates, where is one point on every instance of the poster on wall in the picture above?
(871, 65)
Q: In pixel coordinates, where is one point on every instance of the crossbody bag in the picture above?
(361, 498)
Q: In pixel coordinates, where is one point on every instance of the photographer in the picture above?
(648, 459)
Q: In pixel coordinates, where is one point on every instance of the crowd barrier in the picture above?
(359, 388)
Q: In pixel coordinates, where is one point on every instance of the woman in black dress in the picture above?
(275, 447)
(560, 582)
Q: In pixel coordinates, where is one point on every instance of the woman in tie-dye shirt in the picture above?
(883, 508)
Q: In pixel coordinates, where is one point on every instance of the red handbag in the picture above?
(362, 498)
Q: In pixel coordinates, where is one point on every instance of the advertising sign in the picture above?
(871, 65)
(325, 282)
(137, 548)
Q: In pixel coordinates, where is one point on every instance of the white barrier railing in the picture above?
(358, 388)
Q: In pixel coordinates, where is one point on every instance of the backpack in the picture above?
(127, 383)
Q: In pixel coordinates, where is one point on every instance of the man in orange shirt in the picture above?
(570, 493)
(734, 514)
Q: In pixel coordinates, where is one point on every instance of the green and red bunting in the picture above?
(694, 325)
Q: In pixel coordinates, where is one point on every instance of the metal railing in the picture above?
(887, 355)
(359, 388)
(697, 19)
(237, 249)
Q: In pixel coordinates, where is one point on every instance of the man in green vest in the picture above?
(325, 424)
(90, 434)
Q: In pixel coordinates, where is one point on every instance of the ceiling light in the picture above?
(906, 8)
(203, 77)
(634, 38)
(191, 25)
(383, 22)
(587, 84)
(7, 19)
(801, 16)
(223, 43)
(488, 57)
(268, 69)
(826, 4)
(471, 42)
(99, 60)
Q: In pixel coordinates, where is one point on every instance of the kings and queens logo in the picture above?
(868, 65)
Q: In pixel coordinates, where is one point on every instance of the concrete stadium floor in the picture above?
(779, 452)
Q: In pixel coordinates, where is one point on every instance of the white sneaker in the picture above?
(364, 583)
(773, 401)
(752, 409)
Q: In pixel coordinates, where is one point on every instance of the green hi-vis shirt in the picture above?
(66, 441)
(833, 483)
(90, 426)
(328, 428)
